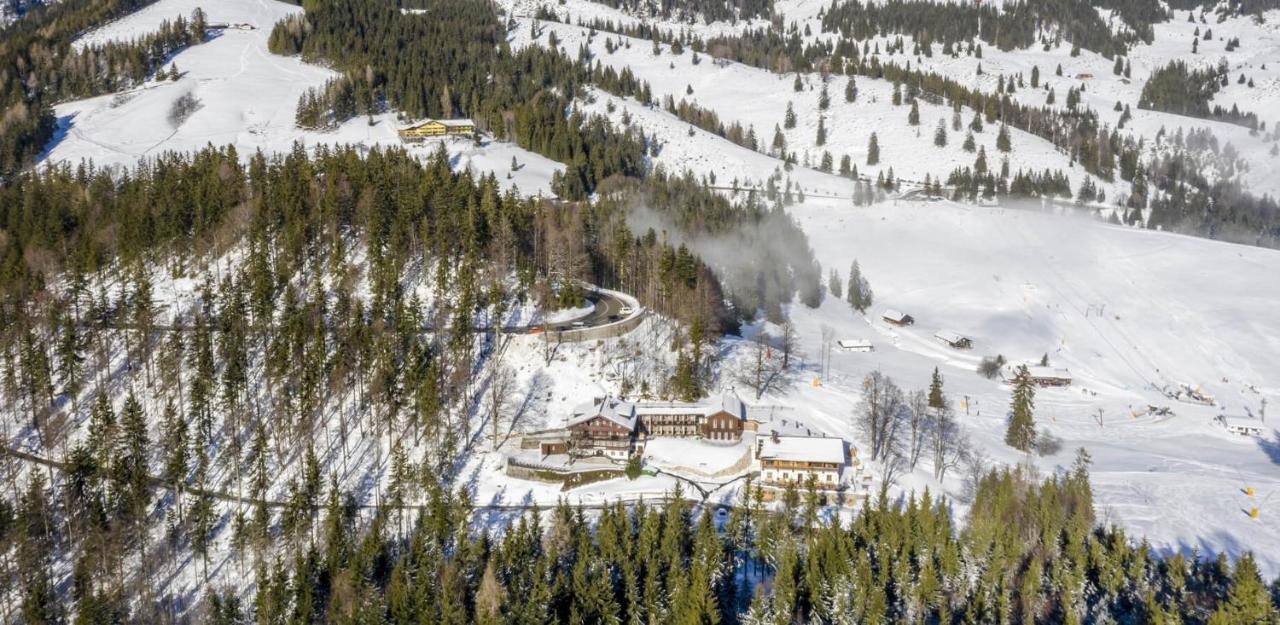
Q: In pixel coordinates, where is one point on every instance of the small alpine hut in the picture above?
(1241, 426)
(1049, 376)
(856, 345)
(897, 318)
(954, 340)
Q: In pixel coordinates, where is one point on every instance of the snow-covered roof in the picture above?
(894, 315)
(730, 404)
(854, 343)
(727, 402)
(614, 409)
(802, 449)
(448, 123)
(1053, 373)
(949, 336)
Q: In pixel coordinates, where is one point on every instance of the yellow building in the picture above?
(437, 128)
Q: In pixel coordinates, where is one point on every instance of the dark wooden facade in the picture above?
(722, 426)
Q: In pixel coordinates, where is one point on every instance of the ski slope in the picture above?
(1024, 284)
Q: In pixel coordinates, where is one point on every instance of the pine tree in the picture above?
(940, 135)
(822, 132)
(913, 117)
(936, 399)
(1002, 139)
(850, 90)
(824, 99)
(1021, 434)
(789, 119)
(873, 150)
(858, 290)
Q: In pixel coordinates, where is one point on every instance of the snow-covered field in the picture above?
(1022, 283)
(1126, 311)
(247, 98)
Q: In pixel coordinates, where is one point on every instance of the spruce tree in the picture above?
(1021, 434)
(873, 150)
(936, 400)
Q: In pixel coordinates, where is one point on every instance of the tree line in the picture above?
(1167, 191)
(1029, 551)
(1177, 89)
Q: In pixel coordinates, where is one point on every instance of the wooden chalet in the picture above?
(436, 128)
(856, 345)
(1049, 376)
(954, 340)
(897, 318)
(603, 427)
(793, 459)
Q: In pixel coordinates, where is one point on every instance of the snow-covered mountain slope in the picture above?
(1125, 311)
(758, 99)
(247, 97)
(1128, 312)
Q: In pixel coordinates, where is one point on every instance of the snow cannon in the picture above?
(1253, 513)
(1248, 491)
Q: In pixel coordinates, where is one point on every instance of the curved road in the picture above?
(606, 308)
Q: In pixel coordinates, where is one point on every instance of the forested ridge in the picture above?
(1175, 88)
(41, 68)
(457, 63)
(1016, 25)
(1169, 192)
(690, 10)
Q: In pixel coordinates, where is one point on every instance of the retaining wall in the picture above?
(606, 331)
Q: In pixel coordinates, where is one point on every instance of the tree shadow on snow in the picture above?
(1271, 447)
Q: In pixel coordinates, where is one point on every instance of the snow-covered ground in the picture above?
(1126, 311)
(247, 98)
(758, 99)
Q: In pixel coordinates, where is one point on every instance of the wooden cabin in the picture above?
(1049, 376)
(897, 318)
(856, 345)
(954, 340)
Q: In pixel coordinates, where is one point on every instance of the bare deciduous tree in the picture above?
(790, 340)
(918, 425)
(881, 414)
(757, 370)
